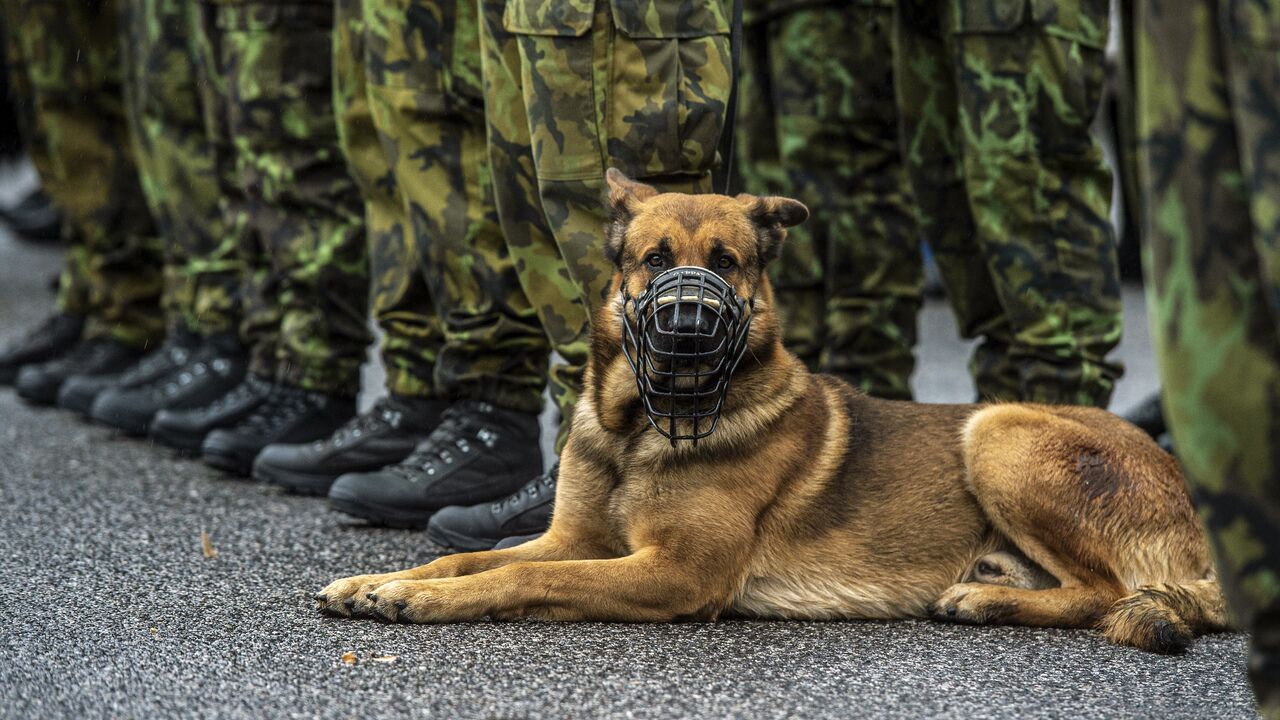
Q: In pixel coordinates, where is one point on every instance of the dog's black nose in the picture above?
(688, 319)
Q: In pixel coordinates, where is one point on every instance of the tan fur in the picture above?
(812, 500)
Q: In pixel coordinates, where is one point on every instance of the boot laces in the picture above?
(283, 408)
(380, 417)
(544, 484)
(450, 441)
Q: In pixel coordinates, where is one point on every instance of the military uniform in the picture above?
(1012, 192)
(293, 218)
(66, 65)
(818, 121)
(571, 88)
(176, 163)
(455, 321)
(1208, 76)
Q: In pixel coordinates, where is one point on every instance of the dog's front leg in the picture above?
(647, 586)
(350, 596)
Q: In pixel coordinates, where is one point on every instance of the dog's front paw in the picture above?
(415, 601)
(973, 603)
(349, 596)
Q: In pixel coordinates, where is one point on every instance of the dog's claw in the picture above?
(372, 597)
(951, 611)
(320, 597)
(350, 603)
(401, 604)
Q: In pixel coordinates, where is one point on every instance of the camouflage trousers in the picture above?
(572, 88)
(65, 64)
(1208, 79)
(1012, 193)
(293, 214)
(455, 322)
(818, 121)
(176, 162)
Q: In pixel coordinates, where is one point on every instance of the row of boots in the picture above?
(461, 470)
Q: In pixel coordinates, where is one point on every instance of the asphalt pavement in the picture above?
(110, 608)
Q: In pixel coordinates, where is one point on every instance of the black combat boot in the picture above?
(477, 453)
(56, 335)
(1148, 415)
(79, 392)
(214, 368)
(288, 415)
(525, 512)
(91, 358)
(184, 429)
(383, 436)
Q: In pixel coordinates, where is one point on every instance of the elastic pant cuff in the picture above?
(341, 379)
(504, 395)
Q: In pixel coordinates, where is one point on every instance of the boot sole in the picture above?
(378, 515)
(298, 483)
(227, 461)
(449, 539)
(132, 426)
(185, 444)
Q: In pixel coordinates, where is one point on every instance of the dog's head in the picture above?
(690, 273)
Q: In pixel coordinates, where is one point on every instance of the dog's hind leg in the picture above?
(1017, 473)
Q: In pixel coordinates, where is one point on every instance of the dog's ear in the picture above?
(624, 196)
(772, 216)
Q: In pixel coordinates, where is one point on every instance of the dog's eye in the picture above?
(654, 260)
(725, 262)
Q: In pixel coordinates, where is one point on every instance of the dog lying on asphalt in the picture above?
(708, 473)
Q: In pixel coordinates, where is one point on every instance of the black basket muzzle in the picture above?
(684, 336)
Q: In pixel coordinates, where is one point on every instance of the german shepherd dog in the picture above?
(808, 499)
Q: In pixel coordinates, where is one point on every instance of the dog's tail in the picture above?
(1165, 618)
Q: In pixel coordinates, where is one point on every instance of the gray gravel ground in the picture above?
(110, 609)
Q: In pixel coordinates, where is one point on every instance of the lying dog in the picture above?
(782, 494)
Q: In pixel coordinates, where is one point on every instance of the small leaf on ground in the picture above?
(384, 658)
(206, 545)
(349, 658)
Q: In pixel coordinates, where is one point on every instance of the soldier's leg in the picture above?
(72, 57)
(305, 209)
(428, 109)
(176, 158)
(201, 359)
(1029, 81)
(412, 333)
(610, 85)
(931, 142)
(560, 306)
(832, 79)
(797, 276)
(1206, 85)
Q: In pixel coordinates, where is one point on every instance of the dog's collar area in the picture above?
(683, 338)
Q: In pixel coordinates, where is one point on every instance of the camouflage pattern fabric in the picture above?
(1011, 189)
(412, 333)
(177, 164)
(446, 294)
(68, 64)
(572, 87)
(293, 214)
(1208, 80)
(818, 121)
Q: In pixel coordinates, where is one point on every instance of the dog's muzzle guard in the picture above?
(684, 336)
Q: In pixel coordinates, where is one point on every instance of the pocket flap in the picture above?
(553, 18)
(665, 19)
